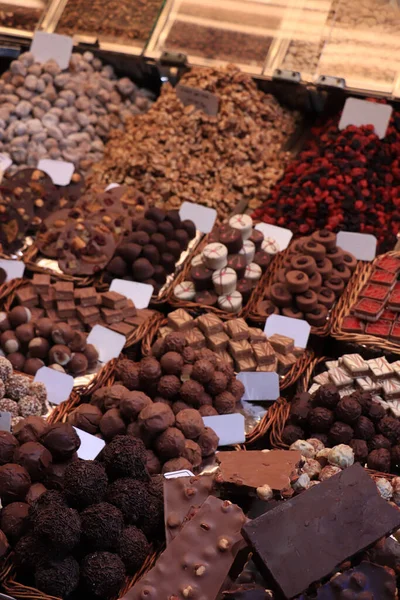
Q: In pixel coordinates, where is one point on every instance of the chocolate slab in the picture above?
(183, 495)
(196, 563)
(291, 542)
(256, 468)
(247, 592)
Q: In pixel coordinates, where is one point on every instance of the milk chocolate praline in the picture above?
(14, 483)
(175, 342)
(8, 445)
(35, 458)
(86, 417)
(191, 424)
(62, 441)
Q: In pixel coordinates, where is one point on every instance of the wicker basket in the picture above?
(346, 303)
(255, 314)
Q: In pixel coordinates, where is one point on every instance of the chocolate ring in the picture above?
(307, 302)
(280, 295)
(335, 284)
(267, 308)
(342, 271)
(317, 317)
(315, 250)
(315, 282)
(303, 263)
(350, 261)
(325, 238)
(326, 297)
(293, 313)
(335, 255)
(281, 276)
(324, 268)
(297, 281)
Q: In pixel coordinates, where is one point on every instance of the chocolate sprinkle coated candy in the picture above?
(327, 516)
(208, 545)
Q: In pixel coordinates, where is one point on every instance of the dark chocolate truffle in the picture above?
(62, 441)
(364, 429)
(190, 392)
(14, 520)
(379, 460)
(58, 578)
(130, 496)
(172, 363)
(225, 403)
(188, 355)
(176, 464)
(85, 483)
(379, 441)
(112, 424)
(113, 395)
(175, 342)
(360, 450)
(178, 406)
(217, 384)
(327, 395)
(390, 428)
(133, 548)
(348, 410)
(125, 456)
(153, 463)
(320, 419)
(54, 478)
(208, 441)
(128, 373)
(35, 458)
(169, 386)
(292, 433)
(149, 370)
(170, 443)
(34, 492)
(30, 429)
(202, 371)
(102, 525)
(157, 349)
(133, 403)
(395, 455)
(340, 433)
(4, 545)
(364, 399)
(58, 527)
(192, 453)
(50, 498)
(14, 483)
(102, 574)
(299, 409)
(191, 424)
(376, 412)
(86, 417)
(156, 417)
(8, 445)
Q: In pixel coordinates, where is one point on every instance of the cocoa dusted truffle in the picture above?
(131, 497)
(62, 441)
(8, 445)
(14, 483)
(170, 443)
(360, 450)
(320, 419)
(207, 411)
(395, 455)
(58, 527)
(292, 433)
(376, 412)
(217, 384)
(133, 403)
(113, 395)
(178, 406)
(225, 403)
(156, 418)
(133, 548)
(177, 464)
(379, 441)
(379, 460)
(208, 441)
(172, 363)
(169, 386)
(14, 520)
(192, 453)
(190, 392)
(35, 458)
(102, 525)
(364, 429)
(202, 371)
(191, 424)
(390, 428)
(85, 483)
(112, 424)
(125, 456)
(340, 433)
(102, 574)
(58, 578)
(348, 410)
(189, 355)
(30, 429)
(128, 373)
(327, 395)
(299, 409)
(153, 463)
(175, 342)
(149, 370)
(86, 417)
(36, 490)
(235, 386)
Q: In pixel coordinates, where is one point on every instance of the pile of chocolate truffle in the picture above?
(229, 266)
(314, 275)
(30, 345)
(150, 253)
(355, 420)
(19, 395)
(162, 400)
(90, 533)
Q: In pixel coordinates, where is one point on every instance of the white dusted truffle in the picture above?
(307, 450)
(322, 456)
(313, 483)
(301, 483)
(342, 456)
(312, 467)
(318, 445)
(384, 488)
(329, 471)
(264, 492)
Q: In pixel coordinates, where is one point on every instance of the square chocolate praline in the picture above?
(64, 290)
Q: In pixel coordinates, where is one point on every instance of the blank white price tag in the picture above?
(58, 385)
(5, 161)
(13, 268)
(5, 421)
(362, 245)
(259, 386)
(59, 170)
(281, 235)
(201, 99)
(108, 343)
(52, 46)
(202, 217)
(176, 474)
(297, 329)
(229, 428)
(361, 112)
(90, 447)
(139, 293)
(111, 186)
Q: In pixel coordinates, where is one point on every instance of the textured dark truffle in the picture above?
(170, 443)
(395, 455)
(299, 409)
(225, 403)
(30, 552)
(189, 355)
(50, 498)
(207, 411)
(30, 429)
(169, 386)
(192, 453)
(4, 545)
(62, 441)
(364, 399)
(348, 410)
(390, 428)
(202, 371)
(113, 394)
(191, 424)
(130, 496)
(172, 363)
(360, 450)
(208, 442)
(85, 483)
(14, 520)
(133, 403)
(190, 392)
(379, 460)
(58, 527)
(8, 445)
(376, 412)
(35, 458)
(112, 424)
(125, 456)
(327, 395)
(128, 373)
(379, 441)
(149, 370)
(320, 419)
(218, 384)
(156, 418)
(58, 577)
(175, 342)
(133, 548)
(34, 492)
(292, 433)
(102, 525)
(54, 477)
(14, 483)
(340, 433)
(364, 429)
(102, 574)
(86, 417)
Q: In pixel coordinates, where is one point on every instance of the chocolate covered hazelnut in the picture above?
(78, 342)
(32, 366)
(60, 355)
(78, 365)
(9, 342)
(91, 354)
(17, 359)
(25, 333)
(39, 348)
(19, 315)
(62, 333)
(43, 327)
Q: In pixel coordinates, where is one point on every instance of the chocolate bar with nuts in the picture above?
(197, 561)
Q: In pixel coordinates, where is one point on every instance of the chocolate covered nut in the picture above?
(39, 348)
(35, 458)
(14, 483)
(78, 364)
(62, 333)
(25, 333)
(9, 342)
(43, 327)
(19, 315)
(60, 355)
(62, 441)
(8, 445)
(32, 365)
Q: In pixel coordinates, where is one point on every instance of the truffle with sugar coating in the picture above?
(102, 525)
(125, 456)
(85, 483)
(133, 548)
(59, 527)
(58, 578)
(130, 496)
(102, 574)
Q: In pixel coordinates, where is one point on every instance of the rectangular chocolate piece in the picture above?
(255, 468)
(110, 315)
(285, 362)
(264, 353)
(180, 320)
(66, 308)
(64, 290)
(195, 339)
(181, 496)
(272, 368)
(281, 343)
(218, 341)
(391, 388)
(76, 324)
(53, 315)
(340, 377)
(27, 296)
(307, 537)
(86, 296)
(256, 335)
(380, 367)
(237, 329)
(129, 310)
(123, 328)
(37, 313)
(225, 356)
(88, 314)
(209, 324)
(41, 283)
(113, 300)
(246, 364)
(240, 349)
(355, 364)
(198, 558)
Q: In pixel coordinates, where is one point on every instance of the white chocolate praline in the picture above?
(197, 261)
(322, 456)
(329, 471)
(224, 281)
(384, 488)
(243, 223)
(270, 246)
(341, 456)
(253, 272)
(318, 445)
(301, 483)
(264, 492)
(248, 250)
(215, 256)
(312, 467)
(304, 448)
(231, 302)
(185, 291)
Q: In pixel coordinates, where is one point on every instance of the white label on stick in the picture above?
(176, 474)
(259, 386)
(108, 343)
(90, 447)
(201, 99)
(59, 170)
(297, 329)
(5, 421)
(58, 385)
(13, 268)
(203, 217)
(139, 293)
(229, 428)
(52, 46)
(361, 245)
(361, 112)
(281, 235)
